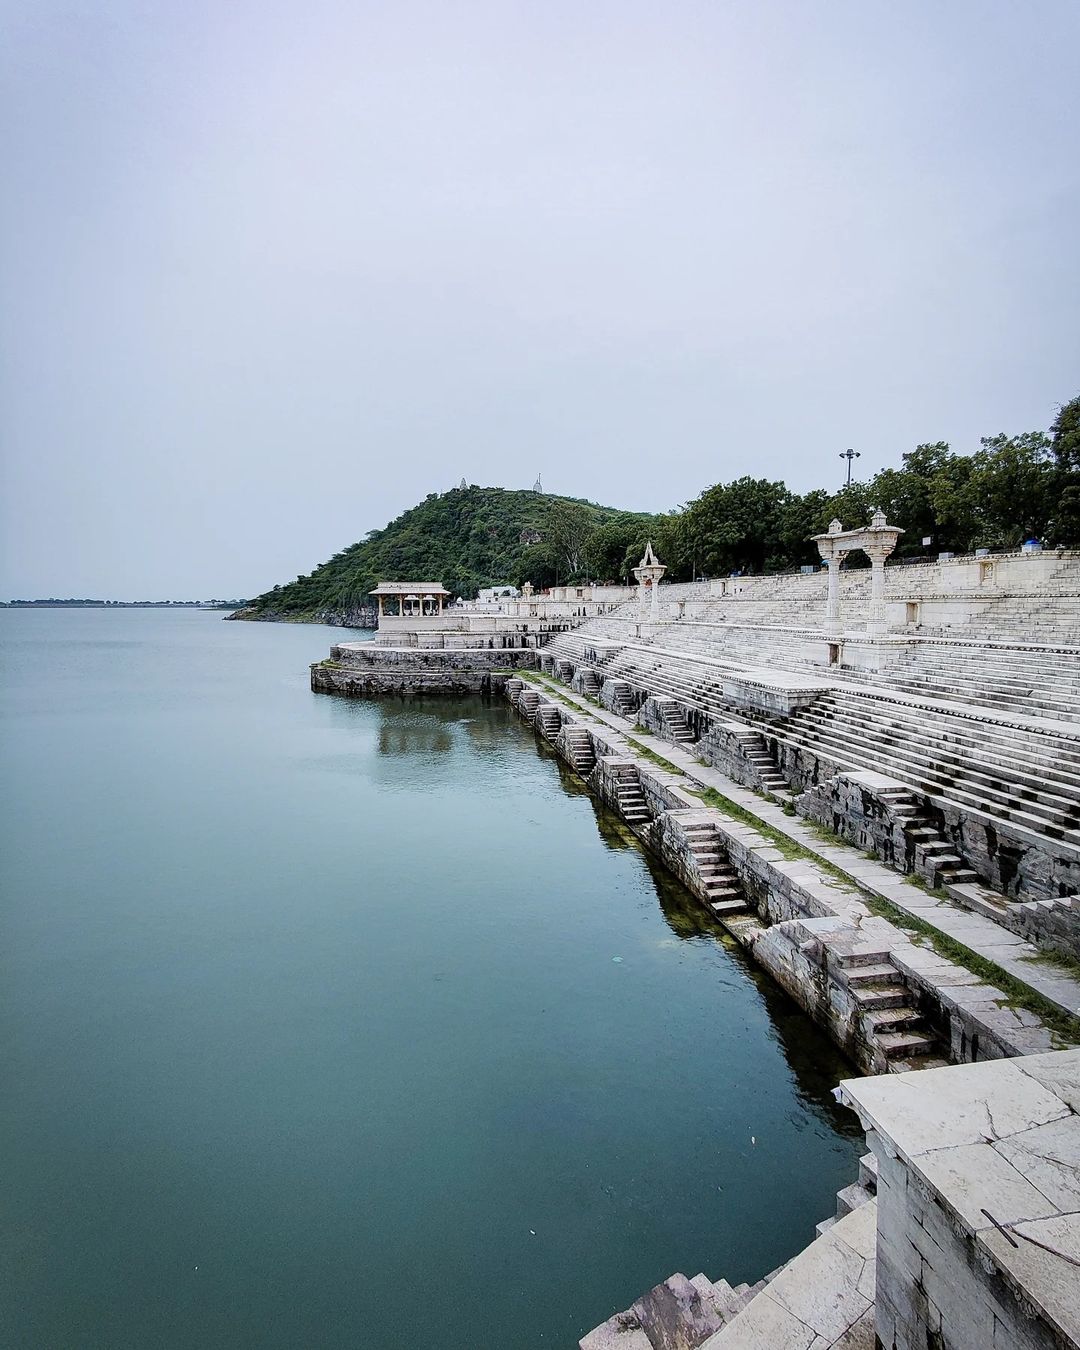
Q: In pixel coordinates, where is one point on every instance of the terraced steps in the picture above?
(629, 797)
(582, 753)
(723, 890)
(890, 1020)
(945, 757)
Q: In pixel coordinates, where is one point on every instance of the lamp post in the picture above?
(849, 455)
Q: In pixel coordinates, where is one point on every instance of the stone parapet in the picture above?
(978, 1209)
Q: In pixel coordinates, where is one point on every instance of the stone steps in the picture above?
(581, 751)
(957, 738)
(720, 882)
(860, 744)
(1040, 755)
(629, 797)
(548, 721)
(889, 1020)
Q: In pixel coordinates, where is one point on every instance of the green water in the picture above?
(329, 1023)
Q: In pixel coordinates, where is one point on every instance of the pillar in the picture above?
(876, 615)
(832, 602)
(654, 602)
(380, 599)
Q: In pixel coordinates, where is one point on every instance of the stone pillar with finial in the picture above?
(648, 573)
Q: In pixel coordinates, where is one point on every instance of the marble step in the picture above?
(870, 996)
(870, 973)
(905, 1044)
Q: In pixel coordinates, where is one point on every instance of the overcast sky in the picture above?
(272, 272)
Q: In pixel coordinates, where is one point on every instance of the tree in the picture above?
(1013, 483)
(738, 525)
(607, 546)
(567, 531)
(904, 495)
(801, 519)
(1065, 436)
(1065, 447)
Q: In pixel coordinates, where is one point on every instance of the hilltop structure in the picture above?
(871, 778)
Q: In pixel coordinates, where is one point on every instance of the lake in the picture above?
(334, 1023)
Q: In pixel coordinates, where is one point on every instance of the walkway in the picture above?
(980, 935)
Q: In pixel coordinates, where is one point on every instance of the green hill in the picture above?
(467, 538)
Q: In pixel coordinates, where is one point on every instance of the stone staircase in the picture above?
(580, 750)
(1009, 773)
(683, 1314)
(679, 1314)
(623, 703)
(673, 719)
(853, 1197)
(548, 721)
(889, 1019)
(932, 857)
(629, 797)
(528, 700)
(589, 682)
(756, 753)
(724, 894)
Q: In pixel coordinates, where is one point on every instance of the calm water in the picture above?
(339, 1024)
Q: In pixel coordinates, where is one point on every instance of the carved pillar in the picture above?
(654, 602)
(876, 613)
(832, 600)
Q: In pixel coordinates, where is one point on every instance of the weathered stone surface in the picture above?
(675, 1316)
(960, 1154)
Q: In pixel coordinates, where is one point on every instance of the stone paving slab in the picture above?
(1001, 1136)
(982, 935)
(819, 1299)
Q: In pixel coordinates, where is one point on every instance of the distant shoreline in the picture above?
(121, 604)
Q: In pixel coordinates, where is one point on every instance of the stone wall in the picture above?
(860, 807)
(804, 926)
(376, 683)
(951, 1145)
(363, 670)
(401, 660)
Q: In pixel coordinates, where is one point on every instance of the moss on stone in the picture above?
(1018, 994)
(654, 758)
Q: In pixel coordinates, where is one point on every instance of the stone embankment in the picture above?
(856, 946)
(353, 616)
(918, 972)
(364, 670)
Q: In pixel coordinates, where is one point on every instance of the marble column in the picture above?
(832, 602)
(876, 613)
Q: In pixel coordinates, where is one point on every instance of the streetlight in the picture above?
(849, 455)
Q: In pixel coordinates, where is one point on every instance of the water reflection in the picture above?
(434, 726)
(816, 1064)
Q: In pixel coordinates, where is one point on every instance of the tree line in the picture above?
(1012, 489)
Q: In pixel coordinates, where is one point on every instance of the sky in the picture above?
(270, 273)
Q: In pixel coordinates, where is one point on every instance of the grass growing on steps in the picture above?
(1018, 994)
(935, 891)
(791, 849)
(654, 758)
(1067, 965)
